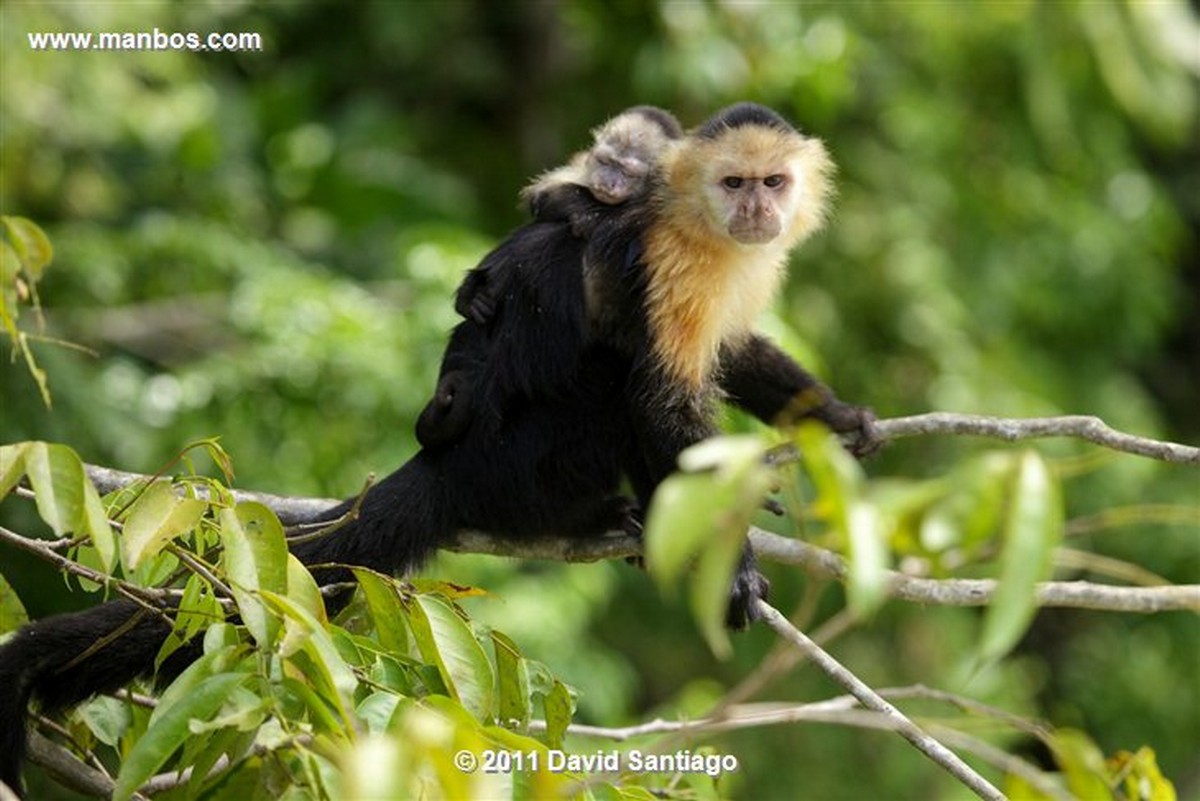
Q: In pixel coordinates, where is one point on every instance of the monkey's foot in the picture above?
(748, 587)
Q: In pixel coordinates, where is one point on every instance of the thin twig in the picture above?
(928, 746)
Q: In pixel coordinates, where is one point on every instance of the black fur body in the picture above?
(564, 400)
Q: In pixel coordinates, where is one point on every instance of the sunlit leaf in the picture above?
(1033, 529)
(12, 466)
(302, 590)
(560, 706)
(65, 497)
(512, 679)
(31, 244)
(156, 518)
(858, 522)
(702, 518)
(446, 641)
(255, 560)
(387, 613)
(1140, 776)
(1081, 762)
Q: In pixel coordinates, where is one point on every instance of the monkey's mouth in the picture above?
(754, 233)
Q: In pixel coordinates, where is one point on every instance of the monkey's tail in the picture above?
(62, 660)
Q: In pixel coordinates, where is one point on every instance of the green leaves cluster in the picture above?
(1004, 509)
(25, 253)
(281, 695)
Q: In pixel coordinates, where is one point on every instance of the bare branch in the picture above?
(1092, 429)
(928, 746)
(979, 592)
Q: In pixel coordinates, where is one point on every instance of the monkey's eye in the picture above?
(731, 182)
(774, 181)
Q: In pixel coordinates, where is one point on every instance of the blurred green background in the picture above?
(264, 245)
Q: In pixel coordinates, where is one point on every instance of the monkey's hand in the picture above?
(857, 422)
(476, 297)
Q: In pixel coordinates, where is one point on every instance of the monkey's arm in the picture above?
(760, 378)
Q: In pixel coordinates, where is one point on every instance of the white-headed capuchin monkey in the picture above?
(604, 359)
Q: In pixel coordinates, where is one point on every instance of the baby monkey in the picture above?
(627, 149)
(618, 167)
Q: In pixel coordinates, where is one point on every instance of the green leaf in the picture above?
(859, 524)
(96, 525)
(170, 728)
(866, 584)
(1082, 763)
(255, 561)
(318, 657)
(107, 718)
(66, 499)
(376, 710)
(703, 518)
(302, 590)
(158, 516)
(215, 661)
(512, 674)
(12, 611)
(1033, 529)
(31, 244)
(680, 523)
(388, 614)
(198, 609)
(713, 577)
(560, 706)
(446, 641)
(56, 475)
(12, 466)
(10, 310)
(1142, 778)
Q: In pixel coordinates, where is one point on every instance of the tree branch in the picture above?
(815, 561)
(979, 592)
(1085, 427)
(928, 746)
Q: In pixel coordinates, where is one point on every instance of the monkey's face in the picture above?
(752, 209)
(615, 177)
(618, 166)
(762, 185)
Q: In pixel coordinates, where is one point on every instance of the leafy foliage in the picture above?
(262, 245)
